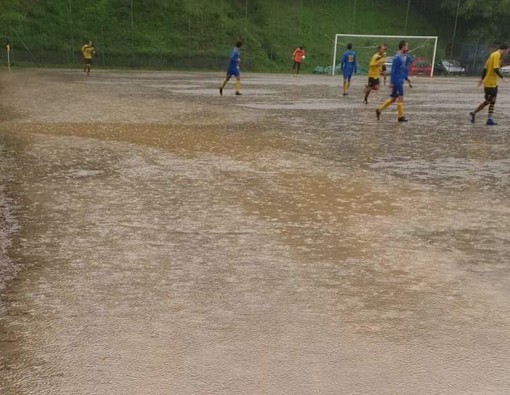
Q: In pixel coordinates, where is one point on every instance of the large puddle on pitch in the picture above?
(190, 244)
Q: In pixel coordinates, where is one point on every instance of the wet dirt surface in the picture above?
(280, 242)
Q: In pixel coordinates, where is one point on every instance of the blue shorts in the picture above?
(348, 74)
(233, 71)
(397, 90)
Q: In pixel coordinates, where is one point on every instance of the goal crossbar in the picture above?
(384, 36)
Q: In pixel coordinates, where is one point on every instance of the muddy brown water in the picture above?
(161, 239)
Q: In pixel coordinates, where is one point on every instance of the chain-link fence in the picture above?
(198, 34)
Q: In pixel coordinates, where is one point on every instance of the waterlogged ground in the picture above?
(171, 241)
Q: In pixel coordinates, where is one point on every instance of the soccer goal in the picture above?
(422, 48)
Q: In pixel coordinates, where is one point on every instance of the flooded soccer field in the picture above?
(158, 238)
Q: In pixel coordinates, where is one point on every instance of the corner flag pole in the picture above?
(8, 47)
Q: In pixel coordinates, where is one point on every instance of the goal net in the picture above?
(421, 48)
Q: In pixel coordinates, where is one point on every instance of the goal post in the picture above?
(365, 46)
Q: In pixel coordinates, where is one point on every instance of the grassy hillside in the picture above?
(198, 33)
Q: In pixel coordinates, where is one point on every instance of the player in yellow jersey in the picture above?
(490, 83)
(87, 51)
(374, 71)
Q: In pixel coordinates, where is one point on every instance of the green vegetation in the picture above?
(200, 33)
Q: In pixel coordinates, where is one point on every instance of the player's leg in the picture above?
(490, 120)
(238, 85)
(298, 68)
(400, 109)
(383, 73)
(395, 94)
(368, 89)
(227, 78)
(492, 105)
(367, 92)
(482, 105)
(345, 86)
(347, 83)
(384, 106)
(477, 110)
(398, 93)
(236, 73)
(373, 84)
(389, 101)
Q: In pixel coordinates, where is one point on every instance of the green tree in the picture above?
(485, 20)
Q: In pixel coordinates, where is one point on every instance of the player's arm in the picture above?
(498, 73)
(496, 65)
(484, 73)
(355, 64)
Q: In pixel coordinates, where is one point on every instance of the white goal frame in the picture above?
(382, 36)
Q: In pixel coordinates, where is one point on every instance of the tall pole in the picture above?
(301, 18)
(354, 15)
(189, 38)
(246, 27)
(455, 28)
(334, 55)
(407, 15)
(132, 35)
(434, 58)
(11, 48)
(246, 16)
(8, 47)
(70, 11)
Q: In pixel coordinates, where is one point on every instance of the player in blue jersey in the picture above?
(397, 78)
(233, 68)
(348, 66)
